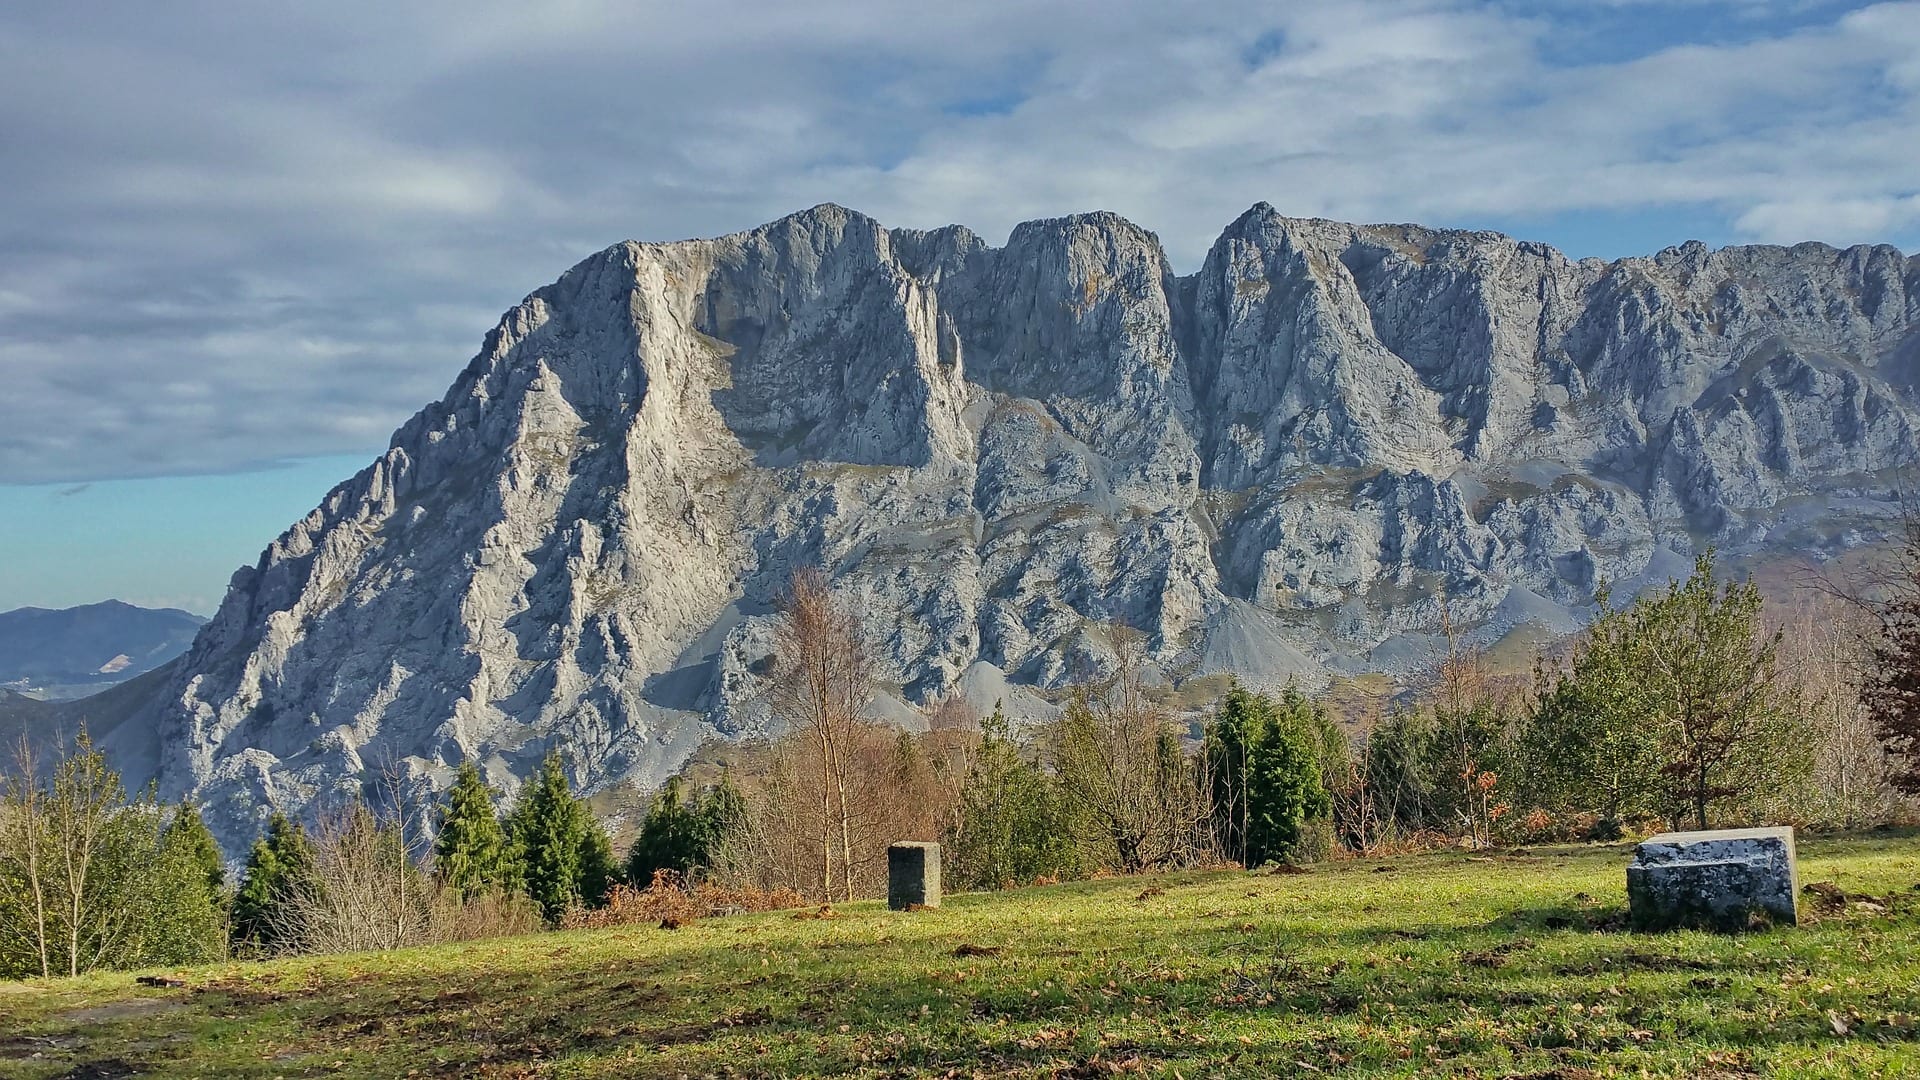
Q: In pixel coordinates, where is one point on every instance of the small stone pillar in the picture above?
(913, 875)
(1716, 880)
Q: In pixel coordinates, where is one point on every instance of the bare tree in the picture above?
(1118, 756)
(365, 892)
(23, 871)
(1827, 651)
(821, 686)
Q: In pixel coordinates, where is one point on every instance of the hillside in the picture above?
(1288, 464)
(1507, 965)
(78, 651)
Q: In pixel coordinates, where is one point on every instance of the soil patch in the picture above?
(130, 1009)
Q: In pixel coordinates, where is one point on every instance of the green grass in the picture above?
(1440, 964)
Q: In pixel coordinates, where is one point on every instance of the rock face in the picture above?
(1282, 465)
(1718, 880)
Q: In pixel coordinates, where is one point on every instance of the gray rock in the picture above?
(913, 875)
(1285, 464)
(1717, 880)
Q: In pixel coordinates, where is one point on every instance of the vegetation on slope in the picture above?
(1445, 963)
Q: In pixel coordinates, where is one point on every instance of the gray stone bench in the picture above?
(913, 875)
(1726, 879)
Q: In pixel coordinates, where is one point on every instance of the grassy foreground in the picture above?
(1504, 965)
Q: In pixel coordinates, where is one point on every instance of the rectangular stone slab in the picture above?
(913, 875)
(1720, 879)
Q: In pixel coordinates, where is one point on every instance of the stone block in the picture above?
(1726, 879)
(913, 875)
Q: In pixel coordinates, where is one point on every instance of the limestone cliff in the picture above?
(1278, 465)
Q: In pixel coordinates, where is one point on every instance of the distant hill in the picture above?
(82, 650)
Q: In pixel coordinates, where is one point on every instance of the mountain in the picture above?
(1287, 464)
(83, 650)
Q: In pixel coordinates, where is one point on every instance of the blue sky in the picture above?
(239, 244)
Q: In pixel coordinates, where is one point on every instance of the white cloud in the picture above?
(236, 235)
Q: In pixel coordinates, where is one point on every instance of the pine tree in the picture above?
(1263, 765)
(1676, 704)
(564, 854)
(684, 833)
(1588, 745)
(188, 832)
(181, 912)
(1284, 786)
(278, 864)
(1013, 824)
(471, 853)
(1225, 752)
(598, 867)
(1727, 724)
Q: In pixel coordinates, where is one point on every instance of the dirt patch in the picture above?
(108, 1069)
(23, 1047)
(130, 1009)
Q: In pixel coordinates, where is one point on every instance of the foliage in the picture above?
(1138, 803)
(686, 834)
(1263, 762)
(1014, 824)
(820, 687)
(471, 853)
(674, 901)
(189, 832)
(1891, 690)
(279, 865)
(907, 789)
(564, 854)
(364, 891)
(1588, 745)
(1676, 704)
(90, 880)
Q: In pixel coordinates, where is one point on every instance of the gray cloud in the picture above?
(238, 235)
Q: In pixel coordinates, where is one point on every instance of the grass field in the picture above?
(1443, 964)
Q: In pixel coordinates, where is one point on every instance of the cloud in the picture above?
(238, 236)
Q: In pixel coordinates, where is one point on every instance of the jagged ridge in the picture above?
(1277, 465)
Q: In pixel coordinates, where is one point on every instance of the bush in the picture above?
(673, 900)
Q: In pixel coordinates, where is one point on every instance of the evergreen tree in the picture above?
(1263, 762)
(1588, 745)
(1726, 723)
(684, 834)
(281, 862)
(1674, 705)
(181, 910)
(1227, 751)
(565, 856)
(1284, 786)
(471, 853)
(188, 832)
(1013, 825)
(599, 869)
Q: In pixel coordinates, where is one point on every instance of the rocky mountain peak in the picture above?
(1284, 465)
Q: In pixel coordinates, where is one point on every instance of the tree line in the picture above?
(1692, 706)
